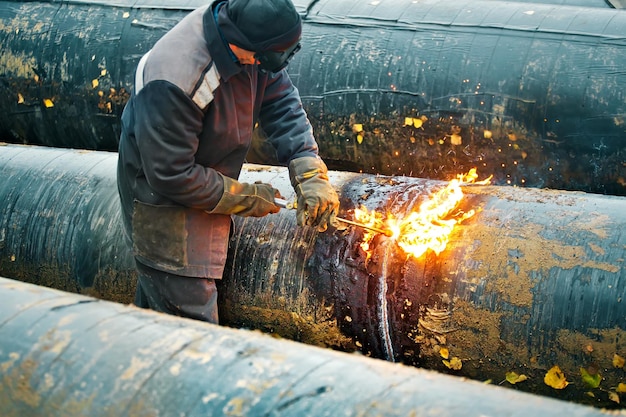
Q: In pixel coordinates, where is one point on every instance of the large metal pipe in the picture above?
(85, 357)
(533, 93)
(616, 4)
(534, 279)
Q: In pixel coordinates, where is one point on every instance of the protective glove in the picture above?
(318, 203)
(246, 200)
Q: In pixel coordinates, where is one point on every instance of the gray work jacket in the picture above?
(191, 115)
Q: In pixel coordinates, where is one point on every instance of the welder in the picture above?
(198, 95)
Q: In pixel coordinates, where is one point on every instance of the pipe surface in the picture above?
(87, 357)
(534, 279)
(533, 93)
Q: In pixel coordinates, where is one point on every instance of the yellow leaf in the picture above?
(514, 378)
(618, 361)
(456, 139)
(94, 83)
(555, 378)
(621, 387)
(590, 379)
(454, 363)
(408, 121)
(357, 127)
(48, 103)
(614, 397)
(20, 98)
(444, 352)
(418, 123)
(359, 138)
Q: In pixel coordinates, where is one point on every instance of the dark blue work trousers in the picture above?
(194, 298)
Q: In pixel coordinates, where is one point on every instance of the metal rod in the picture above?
(281, 202)
(374, 229)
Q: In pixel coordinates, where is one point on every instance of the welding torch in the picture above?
(281, 202)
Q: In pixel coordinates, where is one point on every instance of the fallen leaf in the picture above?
(454, 363)
(618, 361)
(555, 378)
(613, 397)
(621, 387)
(592, 380)
(514, 377)
(444, 353)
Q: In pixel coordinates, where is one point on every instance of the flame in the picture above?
(427, 228)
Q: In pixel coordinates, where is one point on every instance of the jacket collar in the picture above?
(217, 47)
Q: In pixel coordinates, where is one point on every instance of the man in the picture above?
(185, 133)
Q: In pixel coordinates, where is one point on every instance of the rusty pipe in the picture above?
(534, 279)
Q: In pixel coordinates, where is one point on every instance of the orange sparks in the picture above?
(427, 228)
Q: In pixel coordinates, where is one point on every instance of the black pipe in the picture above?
(533, 93)
(72, 198)
(534, 279)
(85, 357)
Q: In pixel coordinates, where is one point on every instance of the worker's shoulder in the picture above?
(181, 56)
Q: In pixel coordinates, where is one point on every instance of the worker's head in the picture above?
(269, 28)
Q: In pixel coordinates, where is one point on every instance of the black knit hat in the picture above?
(260, 25)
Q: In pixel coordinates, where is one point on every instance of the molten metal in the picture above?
(427, 228)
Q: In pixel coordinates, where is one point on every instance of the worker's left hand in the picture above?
(318, 203)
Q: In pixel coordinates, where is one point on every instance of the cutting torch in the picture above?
(280, 202)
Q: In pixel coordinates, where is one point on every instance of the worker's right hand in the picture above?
(318, 202)
(246, 200)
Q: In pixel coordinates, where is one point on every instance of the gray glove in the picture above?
(246, 200)
(318, 203)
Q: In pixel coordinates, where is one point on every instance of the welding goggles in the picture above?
(274, 61)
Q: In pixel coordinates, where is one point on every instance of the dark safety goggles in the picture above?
(272, 61)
